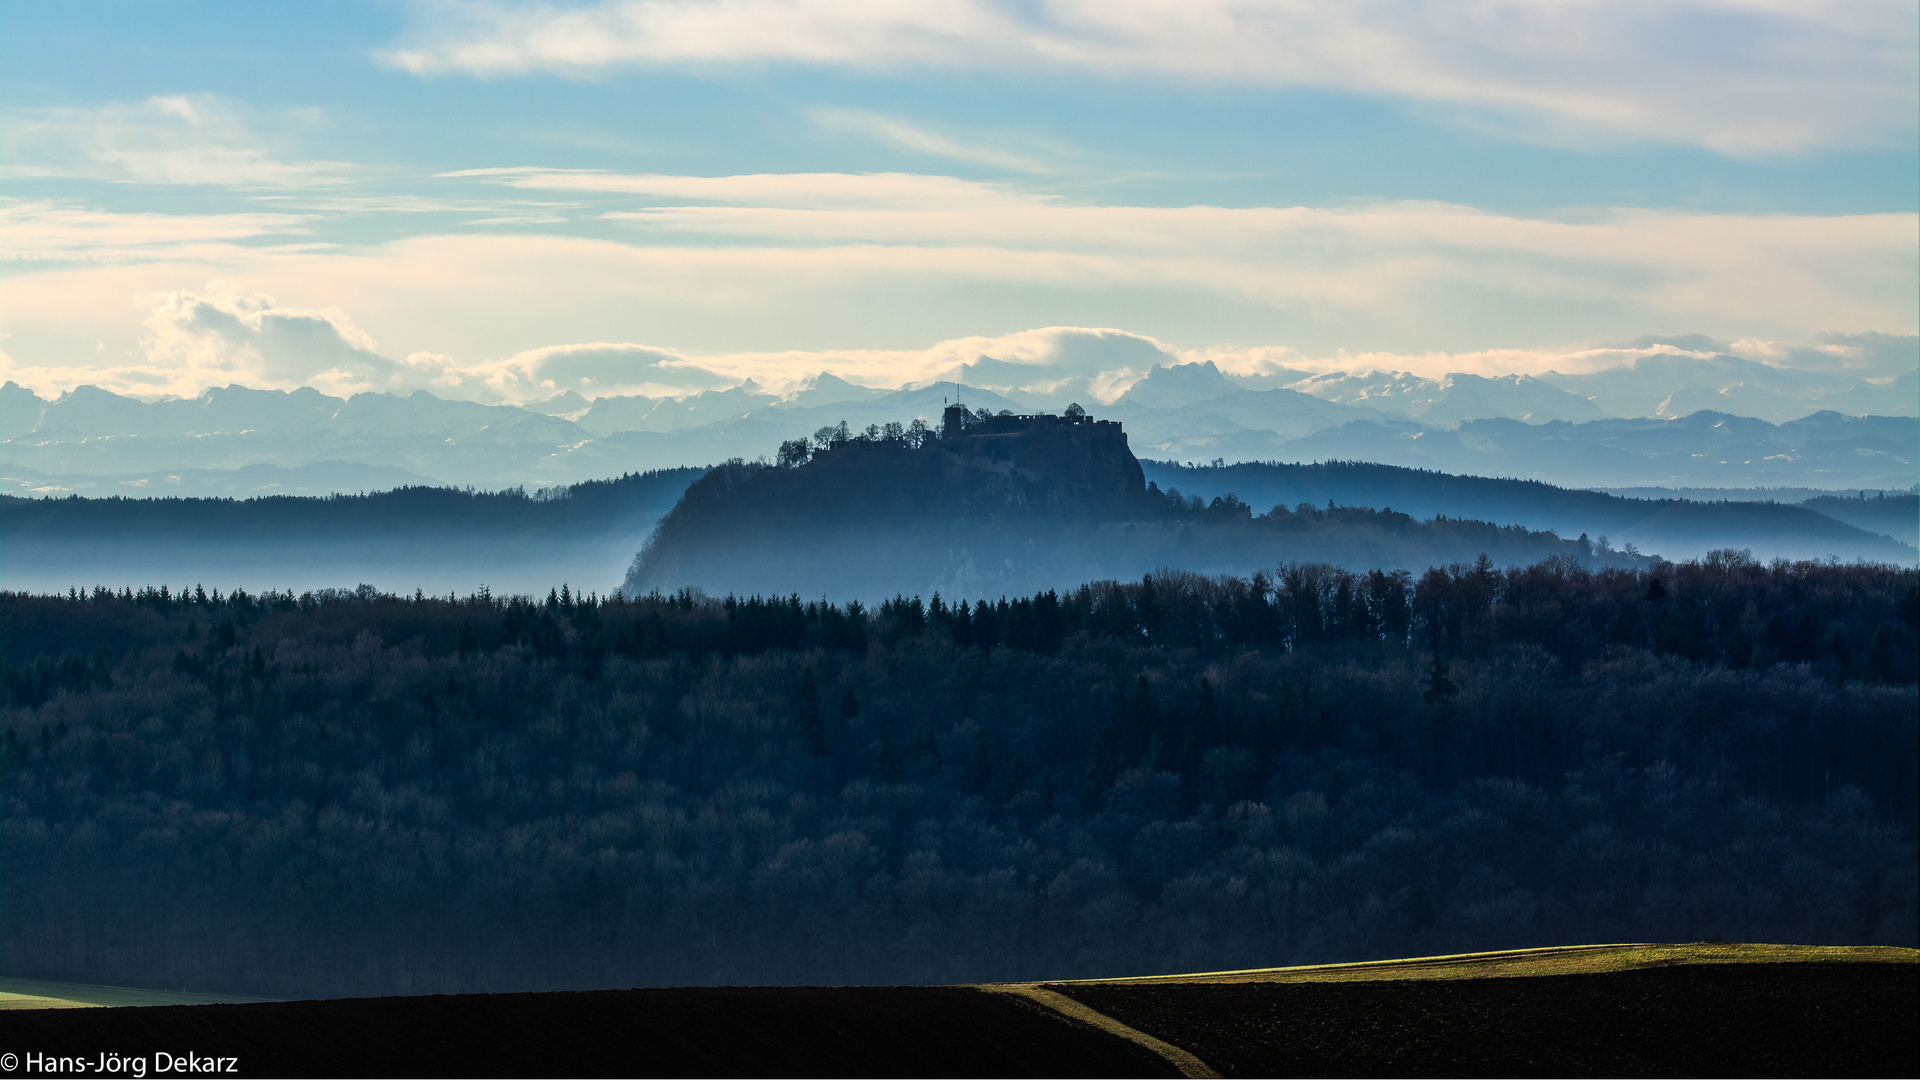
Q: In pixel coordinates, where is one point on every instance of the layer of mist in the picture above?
(438, 540)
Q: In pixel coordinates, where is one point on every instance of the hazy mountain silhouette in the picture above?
(1701, 450)
(1673, 528)
(90, 438)
(1670, 386)
(1895, 515)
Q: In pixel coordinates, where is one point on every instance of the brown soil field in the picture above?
(1766, 1019)
(744, 1031)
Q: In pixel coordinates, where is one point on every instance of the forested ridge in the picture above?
(358, 793)
(1854, 528)
(591, 504)
(869, 516)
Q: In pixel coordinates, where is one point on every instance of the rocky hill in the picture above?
(998, 505)
(989, 504)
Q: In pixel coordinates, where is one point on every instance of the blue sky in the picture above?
(394, 196)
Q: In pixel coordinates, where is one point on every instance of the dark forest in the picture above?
(357, 793)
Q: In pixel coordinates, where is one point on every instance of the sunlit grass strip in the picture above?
(1520, 963)
(35, 1001)
(42, 994)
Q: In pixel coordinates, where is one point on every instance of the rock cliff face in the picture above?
(997, 504)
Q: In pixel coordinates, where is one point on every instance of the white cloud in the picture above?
(1042, 359)
(1703, 269)
(1868, 356)
(172, 139)
(593, 369)
(193, 339)
(1740, 76)
(831, 261)
(224, 334)
(1264, 360)
(812, 191)
(39, 230)
(904, 136)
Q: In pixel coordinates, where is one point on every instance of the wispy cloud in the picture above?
(904, 136)
(519, 219)
(718, 265)
(198, 139)
(823, 191)
(1745, 78)
(1854, 270)
(46, 230)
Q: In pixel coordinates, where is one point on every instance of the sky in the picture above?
(501, 201)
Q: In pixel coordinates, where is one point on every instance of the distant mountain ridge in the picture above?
(1676, 386)
(1452, 399)
(98, 443)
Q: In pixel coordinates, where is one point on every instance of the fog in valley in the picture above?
(437, 540)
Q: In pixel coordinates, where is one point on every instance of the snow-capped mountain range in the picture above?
(1719, 421)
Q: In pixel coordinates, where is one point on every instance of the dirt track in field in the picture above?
(1804, 1019)
(1749, 1019)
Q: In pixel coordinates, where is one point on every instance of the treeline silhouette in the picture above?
(591, 504)
(360, 793)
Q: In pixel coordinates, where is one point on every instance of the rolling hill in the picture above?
(1673, 528)
(1606, 1010)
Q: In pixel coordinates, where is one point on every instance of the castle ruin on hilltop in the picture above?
(1084, 461)
(958, 421)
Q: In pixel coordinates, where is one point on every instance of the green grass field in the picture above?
(39, 994)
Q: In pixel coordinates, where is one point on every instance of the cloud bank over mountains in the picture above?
(223, 335)
(1740, 78)
(1672, 417)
